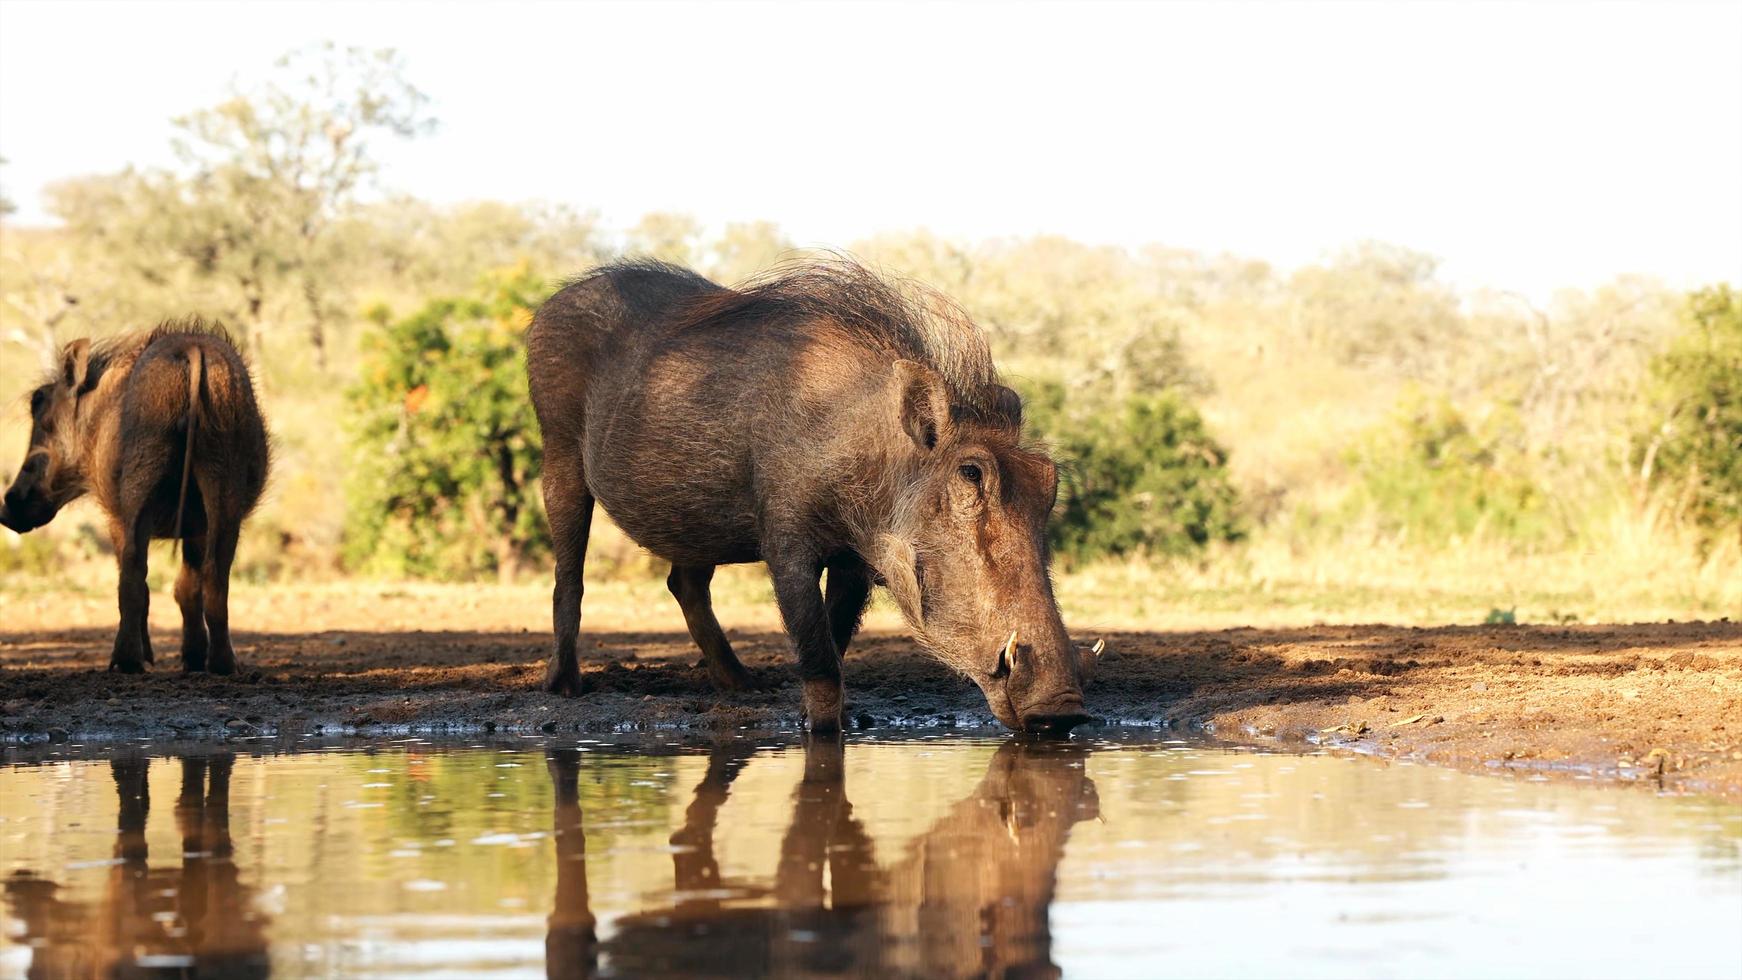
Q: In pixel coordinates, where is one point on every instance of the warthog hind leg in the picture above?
(190, 596)
(689, 583)
(223, 527)
(847, 594)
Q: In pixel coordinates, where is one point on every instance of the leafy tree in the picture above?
(265, 176)
(1141, 476)
(424, 249)
(669, 237)
(1694, 449)
(445, 444)
(745, 249)
(1045, 301)
(289, 158)
(1380, 306)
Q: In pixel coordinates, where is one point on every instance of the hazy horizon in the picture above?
(1529, 147)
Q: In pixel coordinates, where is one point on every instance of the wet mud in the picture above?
(1657, 704)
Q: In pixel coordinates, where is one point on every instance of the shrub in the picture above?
(1693, 448)
(1139, 476)
(446, 447)
(1435, 475)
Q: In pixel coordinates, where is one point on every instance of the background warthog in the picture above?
(162, 428)
(818, 420)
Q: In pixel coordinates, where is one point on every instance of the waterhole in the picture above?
(913, 857)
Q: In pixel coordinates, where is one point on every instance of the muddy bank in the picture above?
(1653, 702)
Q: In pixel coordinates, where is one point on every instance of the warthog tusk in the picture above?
(1007, 656)
(1100, 645)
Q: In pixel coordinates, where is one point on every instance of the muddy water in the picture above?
(922, 857)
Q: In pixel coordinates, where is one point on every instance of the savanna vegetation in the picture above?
(1355, 436)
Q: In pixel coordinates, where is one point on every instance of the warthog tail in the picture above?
(196, 370)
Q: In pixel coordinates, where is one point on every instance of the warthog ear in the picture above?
(76, 364)
(1007, 405)
(922, 402)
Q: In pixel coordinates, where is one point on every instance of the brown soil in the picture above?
(1659, 704)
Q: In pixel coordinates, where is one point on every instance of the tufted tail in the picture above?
(196, 372)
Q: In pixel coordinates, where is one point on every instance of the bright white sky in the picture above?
(1529, 146)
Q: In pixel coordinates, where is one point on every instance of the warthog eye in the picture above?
(970, 472)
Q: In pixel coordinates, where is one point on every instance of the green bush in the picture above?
(1693, 447)
(1140, 476)
(446, 448)
(1433, 474)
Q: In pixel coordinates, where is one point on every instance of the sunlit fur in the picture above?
(161, 427)
(817, 418)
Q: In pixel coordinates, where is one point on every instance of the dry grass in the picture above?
(1635, 577)
(1632, 574)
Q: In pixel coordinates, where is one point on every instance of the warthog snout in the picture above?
(1056, 722)
(1035, 688)
(1056, 715)
(24, 507)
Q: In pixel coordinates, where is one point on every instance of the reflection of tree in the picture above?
(198, 918)
(970, 897)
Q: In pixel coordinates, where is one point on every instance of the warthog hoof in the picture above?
(565, 682)
(117, 666)
(823, 707)
(731, 677)
(222, 666)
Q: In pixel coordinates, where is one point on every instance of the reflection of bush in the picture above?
(460, 788)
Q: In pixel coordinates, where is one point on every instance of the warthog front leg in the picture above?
(132, 646)
(807, 625)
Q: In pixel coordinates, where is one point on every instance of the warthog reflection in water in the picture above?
(969, 897)
(195, 920)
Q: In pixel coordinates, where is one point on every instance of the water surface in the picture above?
(916, 857)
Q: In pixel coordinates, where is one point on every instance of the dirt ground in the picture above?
(1659, 704)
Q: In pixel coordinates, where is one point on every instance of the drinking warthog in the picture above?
(819, 419)
(163, 429)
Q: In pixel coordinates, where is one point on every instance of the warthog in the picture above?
(162, 428)
(819, 420)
